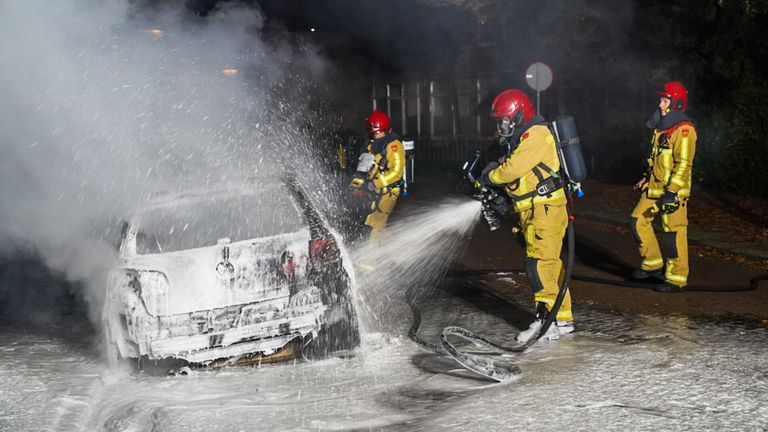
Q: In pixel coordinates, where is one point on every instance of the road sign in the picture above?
(538, 76)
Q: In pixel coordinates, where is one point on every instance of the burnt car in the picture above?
(223, 275)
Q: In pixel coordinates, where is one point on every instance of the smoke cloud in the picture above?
(103, 105)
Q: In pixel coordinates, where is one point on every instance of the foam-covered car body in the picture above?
(225, 272)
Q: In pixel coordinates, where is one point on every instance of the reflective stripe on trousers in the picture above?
(674, 240)
(380, 211)
(544, 228)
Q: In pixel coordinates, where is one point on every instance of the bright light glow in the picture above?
(312, 29)
(229, 72)
(157, 33)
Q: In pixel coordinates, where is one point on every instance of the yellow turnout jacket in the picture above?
(389, 166)
(524, 169)
(671, 160)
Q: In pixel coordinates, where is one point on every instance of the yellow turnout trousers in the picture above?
(674, 240)
(544, 227)
(381, 208)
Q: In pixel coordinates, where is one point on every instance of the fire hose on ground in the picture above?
(493, 368)
(504, 370)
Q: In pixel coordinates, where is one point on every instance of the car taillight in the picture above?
(321, 250)
(289, 265)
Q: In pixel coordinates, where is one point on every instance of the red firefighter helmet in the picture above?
(677, 94)
(513, 103)
(377, 121)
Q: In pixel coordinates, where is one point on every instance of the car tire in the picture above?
(336, 339)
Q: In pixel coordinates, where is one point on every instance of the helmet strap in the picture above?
(518, 118)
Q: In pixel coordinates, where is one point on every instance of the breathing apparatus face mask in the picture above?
(654, 119)
(672, 117)
(506, 130)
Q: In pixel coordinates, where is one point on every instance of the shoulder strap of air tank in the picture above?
(541, 166)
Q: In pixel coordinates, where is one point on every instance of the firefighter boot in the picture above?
(645, 274)
(667, 287)
(565, 327)
(552, 332)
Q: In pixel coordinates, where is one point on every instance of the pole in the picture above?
(538, 92)
(538, 103)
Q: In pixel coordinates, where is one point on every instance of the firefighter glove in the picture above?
(484, 181)
(356, 183)
(478, 190)
(669, 203)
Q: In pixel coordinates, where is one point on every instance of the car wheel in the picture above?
(157, 367)
(336, 339)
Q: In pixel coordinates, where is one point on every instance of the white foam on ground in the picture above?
(707, 376)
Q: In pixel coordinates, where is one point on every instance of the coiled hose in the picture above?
(493, 368)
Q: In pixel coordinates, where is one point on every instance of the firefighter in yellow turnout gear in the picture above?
(531, 165)
(666, 188)
(385, 177)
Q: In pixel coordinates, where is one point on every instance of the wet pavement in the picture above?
(618, 371)
(715, 221)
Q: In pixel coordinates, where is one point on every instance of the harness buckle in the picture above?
(547, 187)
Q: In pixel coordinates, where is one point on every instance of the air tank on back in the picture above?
(564, 128)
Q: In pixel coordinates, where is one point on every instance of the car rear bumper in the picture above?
(266, 338)
(260, 327)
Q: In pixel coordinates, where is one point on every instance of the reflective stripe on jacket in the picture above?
(671, 160)
(537, 145)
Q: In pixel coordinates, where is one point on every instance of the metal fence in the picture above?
(447, 155)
